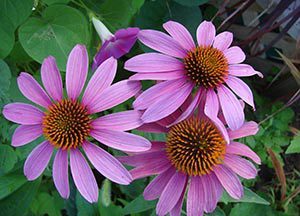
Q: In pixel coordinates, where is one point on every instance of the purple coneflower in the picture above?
(211, 67)
(195, 158)
(115, 45)
(67, 122)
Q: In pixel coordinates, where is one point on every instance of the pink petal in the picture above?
(223, 40)
(241, 89)
(171, 194)
(172, 75)
(153, 94)
(76, 71)
(153, 62)
(83, 176)
(229, 181)
(234, 55)
(167, 104)
(180, 34)
(152, 128)
(161, 42)
(206, 33)
(243, 70)
(176, 211)
(121, 140)
(60, 173)
(195, 197)
(32, 90)
(157, 185)
(23, 113)
(231, 108)
(243, 150)
(101, 80)
(38, 160)
(240, 166)
(247, 129)
(106, 164)
(51, 78)
(25, 134)
(114, 95)
(121, 121)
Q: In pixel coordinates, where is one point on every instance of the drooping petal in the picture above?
(167, 104)
(223, 40)
(176, 211)
(180, 34)
(101, 80)
(60, 173)
(83, 176)
(106, 164)
(243, 150)
(234, 55)
(247, 129)
(161, 42)
(171, 193)
(241, 89)
(195, 197)
(229, 181)
(152, 128)
(114, 95)
(157, 185)
(38, 160)
(231, 108)
(25, 134)
(240, 166)
(102, 30)
(153, 63)
(76, 71)
(23, 113)
(32, 90)
(121, 140)
(243, 70)
(51, 78)
(206, 33)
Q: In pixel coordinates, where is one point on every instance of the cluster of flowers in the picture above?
(193, 102)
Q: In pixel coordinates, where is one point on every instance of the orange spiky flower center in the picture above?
(195, 146)
(206, 67)
(66, 124)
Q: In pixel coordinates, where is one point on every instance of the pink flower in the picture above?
(67, 122)
(115, 45)
(195, 158)
(211, 67)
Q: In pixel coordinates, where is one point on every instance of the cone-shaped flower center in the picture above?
(66, 124)
(206, 67)
(195, 146)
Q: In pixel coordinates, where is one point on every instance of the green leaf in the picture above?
(8, 159)
(111, 210)
(18, 202)
(139, 204)
(217, 212)
(5, 78)
(45, 204)
(50, 2)
(251, 209)
(249, 197)
(10, 183)
(105, 193)
(84, 207)
(294, 147)
(191, 2)
(58, 30)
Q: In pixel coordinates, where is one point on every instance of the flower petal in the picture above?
(83, 176)
(114, 95)
(76, 71)
(243, 150)
(38, 160)
(161, 42)
(172, 75)
(243, 70)
(32, 90)
(176, 211)
(229, 181)
(180, 34)
(206, 33)
(121, 140)
(223, 40)
(195, 197)
(234, 55)
(51, 78)
(25, 134)
(60, 173)
(247, 129)
(240, 166)
(23, 113)
(171, 193)
(106, 164)
(231, 108)
(152, 128)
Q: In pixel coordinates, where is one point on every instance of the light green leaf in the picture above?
(105, 193)
(10, 183)
(294, 147)
(251, 209)
(139, 204)
(8, 159)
